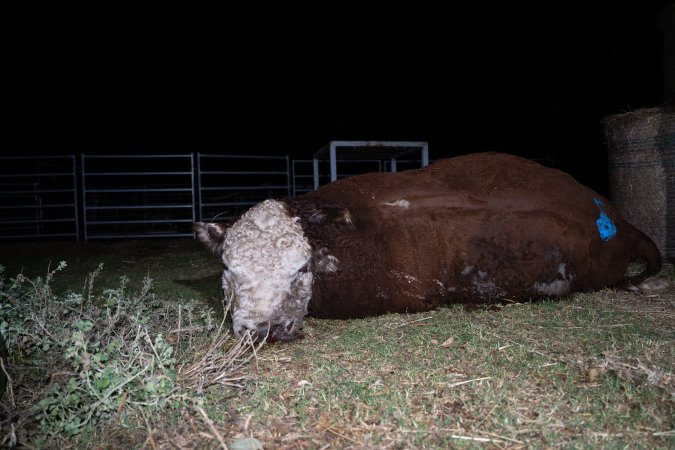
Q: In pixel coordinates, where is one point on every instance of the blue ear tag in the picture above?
(606, 227)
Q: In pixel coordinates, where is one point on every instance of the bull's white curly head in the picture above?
(269, 266)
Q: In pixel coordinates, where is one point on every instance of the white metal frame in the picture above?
(388, 150)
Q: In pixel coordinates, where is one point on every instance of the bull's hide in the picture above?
(473, 228)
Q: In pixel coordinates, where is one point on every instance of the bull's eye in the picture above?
(304, 269)
(283, 243)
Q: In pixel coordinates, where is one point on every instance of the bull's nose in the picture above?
(264, 333)
(274, 332)
(257, 335)
(271, 332)
(261, 333)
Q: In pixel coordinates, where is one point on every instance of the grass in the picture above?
(515, 377)
(180, 268)
(594, 370)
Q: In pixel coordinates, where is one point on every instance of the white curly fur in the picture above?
(264, 252)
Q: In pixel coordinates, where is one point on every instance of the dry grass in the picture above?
(596, 370)
(224, 368)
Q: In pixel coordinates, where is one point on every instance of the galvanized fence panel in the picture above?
(38, 197)
(126, 196)
(228, 185)
(403, 164)
(137, 196)
(301, 177)
(303, 171)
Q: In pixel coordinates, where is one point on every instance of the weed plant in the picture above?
(91, 360)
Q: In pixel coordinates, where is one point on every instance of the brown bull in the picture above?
(474, 228)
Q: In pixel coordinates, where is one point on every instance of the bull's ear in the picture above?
(323, 261)
(211, 235)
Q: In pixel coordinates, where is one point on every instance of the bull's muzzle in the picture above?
(274, 332)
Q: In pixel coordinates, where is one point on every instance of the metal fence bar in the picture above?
(144, 190)
(244, 188)
(143, 156)
(199, 186)
(144, 236)
(39, 191)
(116, 222)
(168, 205)
(288, 176)
(55, 205)
(229, 203)
(117, 174)
(29, 175)
(85, 216)
(250, 157)
(230, 172)
(18, 221)
(25, 236)
(192, 185)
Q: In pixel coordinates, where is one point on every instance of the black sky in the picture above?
(530, 81)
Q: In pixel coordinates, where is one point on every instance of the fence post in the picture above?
(199, 185)
(315, 166)
(192, 183)
(288, 176)
(84, 198)
(75, 202)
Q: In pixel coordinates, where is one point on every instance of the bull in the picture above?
(477, 228)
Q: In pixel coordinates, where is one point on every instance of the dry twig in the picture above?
(213, 428)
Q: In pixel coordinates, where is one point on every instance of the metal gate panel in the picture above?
(307, 172)
(227, 185)
(137, 196)
(38, 197)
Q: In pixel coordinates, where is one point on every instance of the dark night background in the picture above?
(533, 81)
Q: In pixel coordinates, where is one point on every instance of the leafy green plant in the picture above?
(113, 357)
